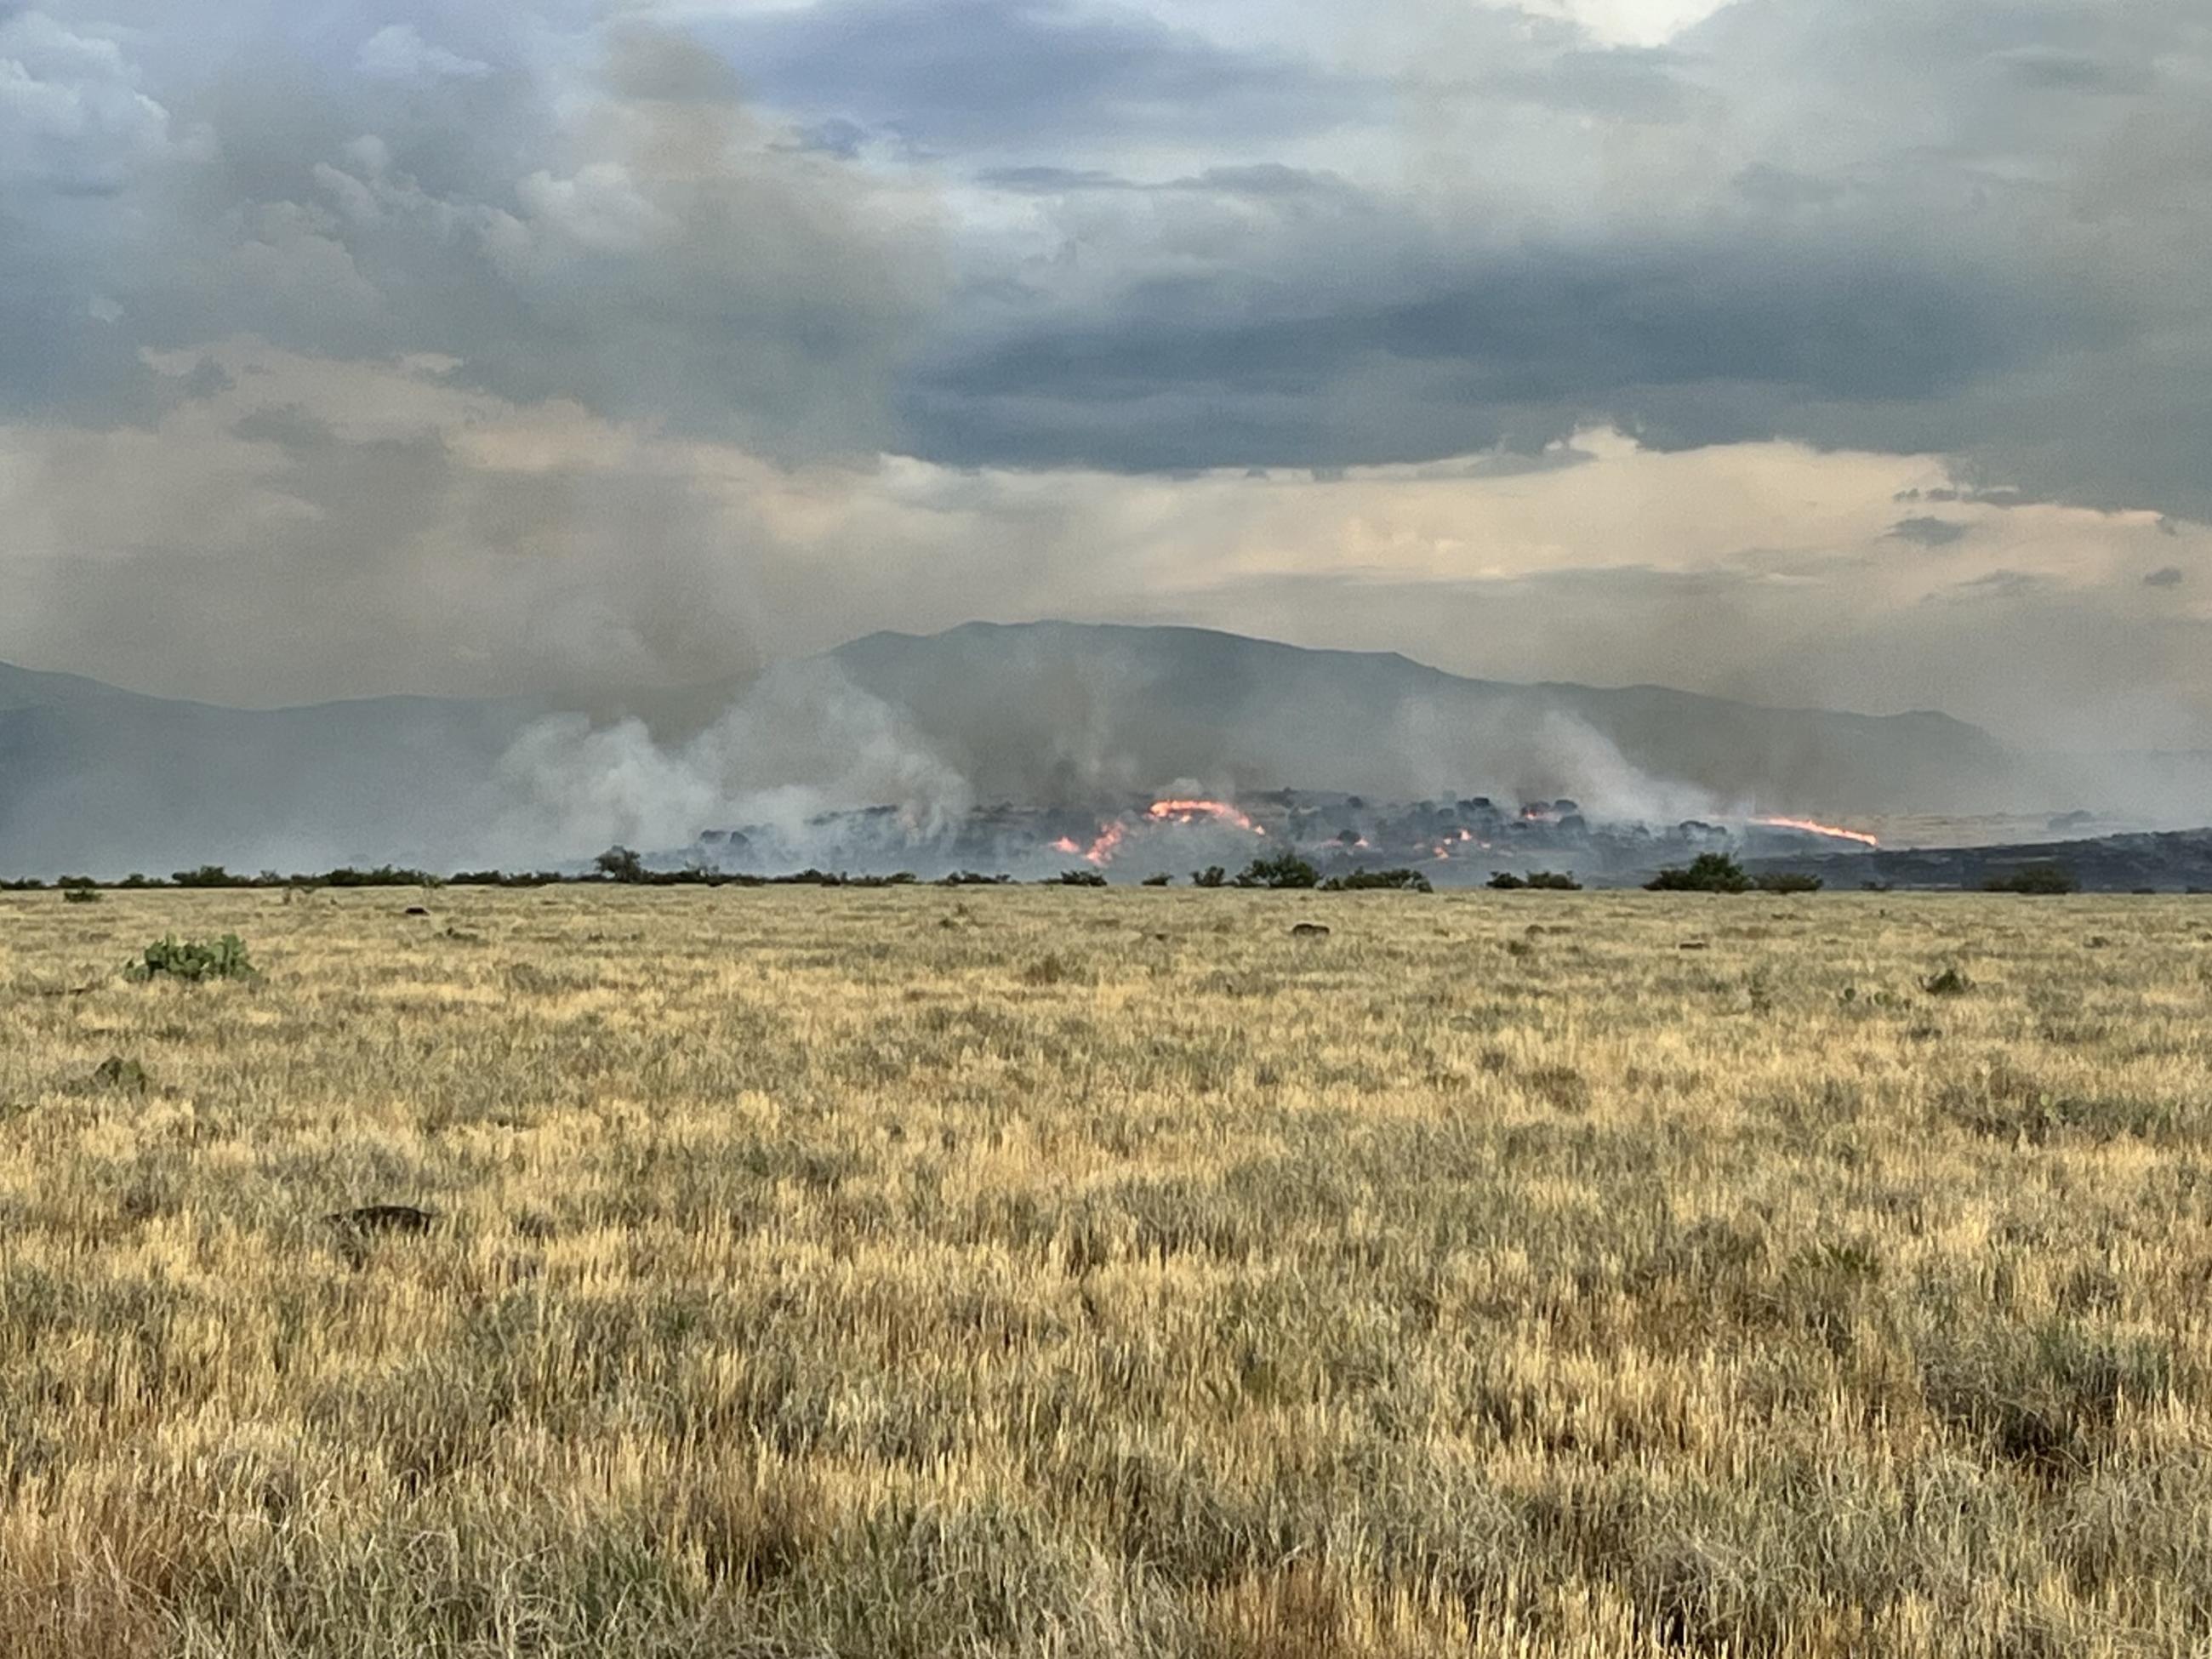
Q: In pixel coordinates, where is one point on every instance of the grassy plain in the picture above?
(1071, 1274)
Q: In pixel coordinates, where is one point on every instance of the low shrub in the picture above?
(1708, 873)
(2035, 879)
(1362, 881)
(1788, 881)
(620, 864)
(1284, 870)
(195, 959)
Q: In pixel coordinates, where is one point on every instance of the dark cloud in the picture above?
(1695, 341)
(1905, 249)
(2049, 69)
(1930, 532)
(2170, 576)
(1011, 234)
(986, 73)
(620, 233)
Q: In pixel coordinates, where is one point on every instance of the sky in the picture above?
(1818, 352)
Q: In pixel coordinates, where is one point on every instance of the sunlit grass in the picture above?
(1066, 1272)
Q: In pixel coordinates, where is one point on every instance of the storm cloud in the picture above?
(579, 346)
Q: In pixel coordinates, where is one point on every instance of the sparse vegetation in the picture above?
(1081, 879)
(1708, 873)
(1789, 881)
(1212, 875)
(783, 1273)
(1284, 869)
(620, 864)
(2044, 879)
(194, 959)
(1363, 881)
(1557, 881)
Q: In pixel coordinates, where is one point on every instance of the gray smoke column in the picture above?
(801, 742)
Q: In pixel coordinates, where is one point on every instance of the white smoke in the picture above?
(803, 741)
(1519, 757)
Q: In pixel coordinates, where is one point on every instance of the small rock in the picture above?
(1309, 930)
(417, 910)
(1693, 944)
(383, 1218)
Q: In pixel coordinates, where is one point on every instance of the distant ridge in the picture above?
(1173, 702)
(104, 780)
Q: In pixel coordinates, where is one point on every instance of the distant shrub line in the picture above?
(1716, 872)
(1709, 872)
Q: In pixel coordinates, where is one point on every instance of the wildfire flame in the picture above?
(1811, 828)
(1189, 812)
(1101, 851)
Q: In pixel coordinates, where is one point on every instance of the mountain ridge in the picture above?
(105, 779)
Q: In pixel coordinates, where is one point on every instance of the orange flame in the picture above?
(1811, 828)
(1101, 851)
(1189, 812)
(1110, 835)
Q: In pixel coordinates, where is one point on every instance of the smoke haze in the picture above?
(602, 366)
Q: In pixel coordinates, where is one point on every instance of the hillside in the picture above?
(96, 778)
(1045, 710)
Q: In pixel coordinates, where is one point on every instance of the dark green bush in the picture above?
(1286, 869)
(1212, 875)
(1360, 881)
(1789, 881)
(1081, 879)
(1163, 880)
(1709, 872)
(2040, 878)
(81, 895)
(195, 959)
(620, 864)
(384, 875)
(1504, 881)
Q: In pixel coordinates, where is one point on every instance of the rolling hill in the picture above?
(104, 780)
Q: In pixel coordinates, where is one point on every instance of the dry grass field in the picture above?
(1102, 1273)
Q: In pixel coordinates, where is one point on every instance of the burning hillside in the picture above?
(1460, 843)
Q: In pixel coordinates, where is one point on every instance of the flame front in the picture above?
(1811, 828)
(1189, 812)
(1110, 837)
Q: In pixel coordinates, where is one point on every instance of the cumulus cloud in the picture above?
(573, 346)
(397, 52)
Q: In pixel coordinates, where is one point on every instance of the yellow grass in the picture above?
(1070, 1273)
